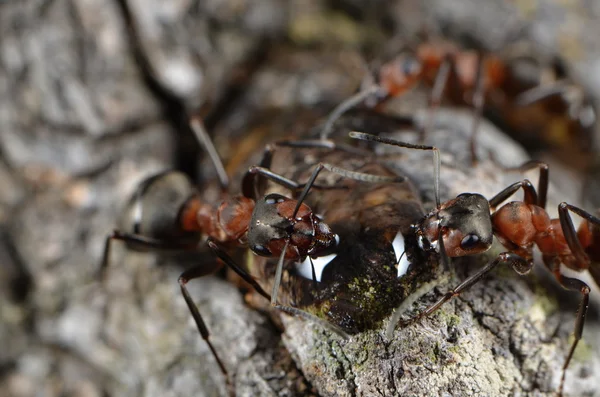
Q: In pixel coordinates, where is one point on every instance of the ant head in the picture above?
(465, 224)
(400, 74)
(274, 222)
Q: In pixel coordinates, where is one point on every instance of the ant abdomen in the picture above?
(154, 209)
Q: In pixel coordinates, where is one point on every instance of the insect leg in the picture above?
(197, 127)
(518, 263)
(530, 194)
(142, 241)
(441, 81)
(389, 141)
(478, 102)
(542, 189)
(184, 278)
(571, 284)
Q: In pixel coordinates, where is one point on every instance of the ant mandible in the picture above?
(467, 224)
(169, 214)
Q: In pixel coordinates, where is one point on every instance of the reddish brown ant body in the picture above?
(168, 213)
(472, 78)
(467, 224)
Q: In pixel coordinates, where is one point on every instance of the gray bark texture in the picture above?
(93, 98)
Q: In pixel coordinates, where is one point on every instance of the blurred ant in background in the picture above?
(467, 224)
(168, 213)
(511, 86)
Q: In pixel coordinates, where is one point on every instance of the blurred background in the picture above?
(95, 96)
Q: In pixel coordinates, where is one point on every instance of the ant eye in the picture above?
(261, 250)
(469, 242)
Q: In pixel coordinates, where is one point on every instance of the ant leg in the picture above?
(542, 92)
(184, 278)
(439, 86)
(436, 156)
(566, 224)
(221, 254)
(542, 189)
(201, 271)
(346, 105)
(530, 195)
(573, 284)
(295, 311)
(203, 138)
(478, 101)
(358, 176)
(518, 263)
(139, 240)
(253, 187)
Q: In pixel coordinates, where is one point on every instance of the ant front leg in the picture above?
(138, 240)
(530, 194)
(201, 271)
(517, 262)
(184, 278)
(543, 178)
(254, 188)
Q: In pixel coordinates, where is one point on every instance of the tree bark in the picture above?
(95, 97)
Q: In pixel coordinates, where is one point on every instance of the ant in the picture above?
(467, 224)
(466, 76)
(169, 214)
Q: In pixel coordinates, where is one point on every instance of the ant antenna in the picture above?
(197, 127)
(436, 156)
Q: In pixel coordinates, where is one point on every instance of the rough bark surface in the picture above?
(93, 98)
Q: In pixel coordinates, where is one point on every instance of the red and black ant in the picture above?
(168, 213)
(469, 77)
(467, 224)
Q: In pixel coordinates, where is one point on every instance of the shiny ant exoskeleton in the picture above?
(469, 77)
(168, 213)
(467, 224)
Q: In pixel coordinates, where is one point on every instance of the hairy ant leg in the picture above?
(530, 194)
(206, 143)
(253, 187)
(139, 241)
(517, 262)
(478, 103)
(582, 261)
(184, 278)
(543, 178)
